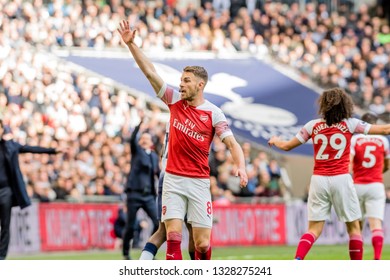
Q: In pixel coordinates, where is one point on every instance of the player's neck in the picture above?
(197, 101)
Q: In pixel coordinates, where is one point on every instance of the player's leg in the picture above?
(159, 237)
(174, 238)
(154, 243)
(375, 211)
(361, 193)
(174, 207)
(307, 239)
(202, 243)
(318, 209)
(199, 214)
(347, 207)
(377, 236)
(191, 245)
(355, 240)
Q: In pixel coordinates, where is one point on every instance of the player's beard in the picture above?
(191, 95)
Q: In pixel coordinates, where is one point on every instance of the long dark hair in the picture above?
(335, 105)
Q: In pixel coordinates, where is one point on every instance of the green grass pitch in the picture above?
(318, 252)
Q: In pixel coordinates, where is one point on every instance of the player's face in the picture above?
(189, 86)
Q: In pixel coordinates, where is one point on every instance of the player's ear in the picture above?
(201, 84)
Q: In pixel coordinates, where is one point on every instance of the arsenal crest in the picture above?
(204, 118)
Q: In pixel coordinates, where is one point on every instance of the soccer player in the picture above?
(193, 123)
(370, 158)
(160, 236)
(331, 183)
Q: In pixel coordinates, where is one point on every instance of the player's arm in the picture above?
(238, 157)
(350, 167)
(284, 145)
(142, 61)
(352, 154)
(385, 165)
(382, 129)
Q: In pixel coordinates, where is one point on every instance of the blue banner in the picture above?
(258, 100)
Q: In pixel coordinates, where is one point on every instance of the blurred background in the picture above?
(67, 80)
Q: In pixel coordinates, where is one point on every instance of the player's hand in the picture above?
(273, 140)
(126, 33)
(243, 177)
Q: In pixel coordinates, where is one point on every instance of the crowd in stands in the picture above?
(47, 103)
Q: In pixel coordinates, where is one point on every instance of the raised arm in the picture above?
(142, 61)
(284, 145)
(134, 138)
(238, 157)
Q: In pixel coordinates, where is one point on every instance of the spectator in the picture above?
(385, 116)
(274, 185)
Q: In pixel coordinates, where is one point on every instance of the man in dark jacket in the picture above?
(140, 187)
(12, 187)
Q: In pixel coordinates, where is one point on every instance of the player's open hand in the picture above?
(126, 33)
(273, 140)
(243, 177)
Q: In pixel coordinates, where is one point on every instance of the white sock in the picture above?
(145, 255)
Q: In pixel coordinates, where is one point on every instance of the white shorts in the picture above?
(191, 196)
(372, 200)
(338, 191)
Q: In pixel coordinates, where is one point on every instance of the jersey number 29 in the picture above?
(337, 142)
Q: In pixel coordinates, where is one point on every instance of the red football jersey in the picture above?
(331, 144)
(369, 153)
(191, 132)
